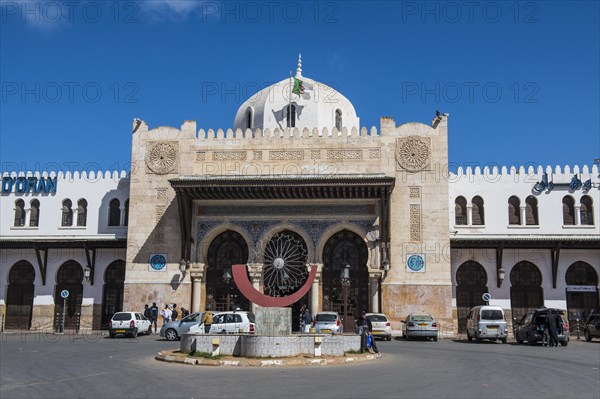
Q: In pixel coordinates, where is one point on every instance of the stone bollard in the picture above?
(318, 343)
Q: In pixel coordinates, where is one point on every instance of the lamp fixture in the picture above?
(227, 275)
(87, 273)
(345, 274)
(501, 275)
(386, 265)
(184, 266)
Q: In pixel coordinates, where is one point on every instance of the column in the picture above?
(523, 210)
(577, 211)
(315, 290)
(256, 274)
(469, 215)
(374, 288)
(197, 274)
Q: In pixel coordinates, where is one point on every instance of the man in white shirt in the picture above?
(166, 314)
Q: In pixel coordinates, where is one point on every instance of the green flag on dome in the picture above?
(298, 87)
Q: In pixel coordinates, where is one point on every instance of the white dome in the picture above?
(315, 108)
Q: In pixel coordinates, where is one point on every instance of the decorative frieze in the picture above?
(414, 192)
(374, 153)
(415, 222)
(315, 154)
(286, 155)
(200, 156)
(257, 155)
(344, 154)
(229, 155)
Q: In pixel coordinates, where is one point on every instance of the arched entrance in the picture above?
(19, 296)
(526, 292)
(285, 270)
(471, 284)
(112, 292)
(346, 248)
(70, 278)
(229, 248)
(582, 291)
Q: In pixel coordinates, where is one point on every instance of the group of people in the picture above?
(169, 314)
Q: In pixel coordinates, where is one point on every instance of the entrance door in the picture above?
(70, 278)
(349, 300)
(471, 280)
(229, 248)
(112, 295)
(526, 292)
(19, 296)
(579, 302)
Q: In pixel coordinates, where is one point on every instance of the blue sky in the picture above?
(520, 80)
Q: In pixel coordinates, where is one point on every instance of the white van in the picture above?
(487, 322)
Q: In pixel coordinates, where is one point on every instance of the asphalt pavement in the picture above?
(48, 366)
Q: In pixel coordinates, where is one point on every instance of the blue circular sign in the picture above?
(158, 262)
(415, 263)
(486, 297)
(64, 294)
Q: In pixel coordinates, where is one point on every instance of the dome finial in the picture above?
(299, 69)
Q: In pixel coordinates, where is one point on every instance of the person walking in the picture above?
(207, 320)
(153, 316)
(367, 339)
(551, 323)
(174, 313)
(302, 311)
(166, 314)
(308, 319)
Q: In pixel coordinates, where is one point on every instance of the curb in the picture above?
(177, 357)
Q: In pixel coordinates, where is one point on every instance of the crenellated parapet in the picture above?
(68, 175)
(533, 174)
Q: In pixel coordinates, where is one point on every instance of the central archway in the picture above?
(526, 292)
(112, 295)
(346, 248)
(228, 248)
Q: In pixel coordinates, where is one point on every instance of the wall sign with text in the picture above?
(415, 263)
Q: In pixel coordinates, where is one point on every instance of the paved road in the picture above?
(36, 366)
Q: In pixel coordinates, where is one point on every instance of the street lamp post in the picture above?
(345, 278)
(227, 280)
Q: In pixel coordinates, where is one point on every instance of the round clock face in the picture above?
(158, 262)
(415, 263)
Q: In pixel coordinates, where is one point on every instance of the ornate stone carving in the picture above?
(229, 156)
(200, 156)
(344, 154)
(374, 153)
(415, 222)
(286, 155)
(161, 195)
(161, 157)
(257, 155)
(413, 153)
(414, 192)
(315, 154)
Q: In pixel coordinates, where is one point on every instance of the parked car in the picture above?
(487, 322)
(328, 323)
(419, 325)
(591, 329)
(129, 324)
(531, 327)
(172, 331)
(234, 322)
(381, 326)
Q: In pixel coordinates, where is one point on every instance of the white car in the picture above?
(229, 323)
(129, 324)
(381, 325)
(328, 323)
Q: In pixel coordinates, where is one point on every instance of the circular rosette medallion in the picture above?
(162, 157)
(413, 154)
(285, 268)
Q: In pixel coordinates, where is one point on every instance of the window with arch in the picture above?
(34, 213)
(248, 118)
(82, 212)
(531, 211)
(114, 212)
(19, 213)
(338, 120)
(291, 116)
(460, 211)
(587, 211)
(126, 216)
(478, 216)
(568, 210)
(67, 213)
(514, 210)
